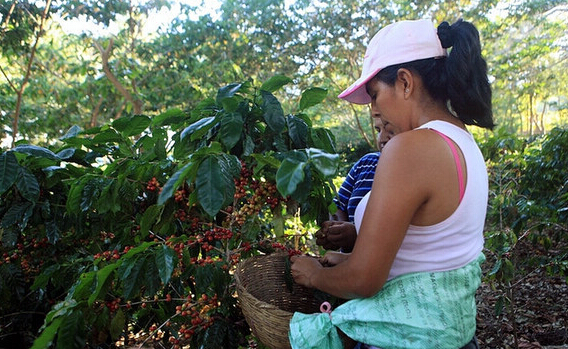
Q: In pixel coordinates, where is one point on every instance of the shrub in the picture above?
(136, 226)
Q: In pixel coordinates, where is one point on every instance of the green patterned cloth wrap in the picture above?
(425, 310)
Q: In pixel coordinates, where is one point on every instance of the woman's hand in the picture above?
(304, 268)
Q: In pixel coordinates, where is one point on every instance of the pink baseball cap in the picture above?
(400, 42)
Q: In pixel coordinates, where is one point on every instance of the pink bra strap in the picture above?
(457, 160)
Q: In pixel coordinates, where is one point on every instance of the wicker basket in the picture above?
(266, 301)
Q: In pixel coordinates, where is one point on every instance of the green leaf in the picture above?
(325, 163)
(117, 324)
(298, 131)
(322, 138)
(36, 151)
(151, 276)
(204, 278)
(91, 193)
(71, 333)
(312, 96)
(198, 128)
(138, 249)
(132, 274)
(66, 154)
(74, 197)
(27, 185)
(248, 146)
(108, 136)
(165, 259)
(273, 113)
(275, 83)
(210, 185)
(103, 280)
(174, 182)
(266, 159)
(149, 218)
(227, 92)
(231, 129)
(42, 279)
(289, 176)
(230, 104)
(230, 168)
(17, 213)
(83, 287)
(508, 270)
(169, 117)
(52, 230)
(45, 339)
(9, 170)
(71, 133)
(496, 267)
(131, 126)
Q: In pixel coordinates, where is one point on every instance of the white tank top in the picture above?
(457, 240)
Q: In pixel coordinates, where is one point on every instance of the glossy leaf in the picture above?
(117, 324)
(84, 286)
(103, 281)
(36, 151)
(227, 92)
(66, 154)
(273, 113)
(174, 182)
(198, 128)
(131, 126)
(325, 163)
(9, 169)
(72, 132)
(289, 176)
(312, 96)
(210, 185)
(165, 259)
(149, 218)
(16, 214)
(108, 136)
(169, 117)
(27, 185)
(71, 333)
(45, 339)
(275, 83)
(298, 131)
(231, 129)
(131, 273)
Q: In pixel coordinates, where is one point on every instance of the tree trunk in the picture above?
(20, 91)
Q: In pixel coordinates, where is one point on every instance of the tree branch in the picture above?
(105, 56)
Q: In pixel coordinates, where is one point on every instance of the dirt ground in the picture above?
(538, 317)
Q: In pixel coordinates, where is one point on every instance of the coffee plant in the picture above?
(131, 231)
(528, 204)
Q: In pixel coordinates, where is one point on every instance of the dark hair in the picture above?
(460, 78)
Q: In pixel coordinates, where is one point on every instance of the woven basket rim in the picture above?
(268, 322)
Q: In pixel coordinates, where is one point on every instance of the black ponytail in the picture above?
(468, 88)
(460, 79)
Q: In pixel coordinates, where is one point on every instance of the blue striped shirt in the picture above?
(358, 182)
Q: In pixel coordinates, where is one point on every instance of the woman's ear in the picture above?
(405, 82)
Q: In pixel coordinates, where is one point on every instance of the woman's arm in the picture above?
(400, 188)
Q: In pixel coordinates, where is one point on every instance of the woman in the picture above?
(415, 265)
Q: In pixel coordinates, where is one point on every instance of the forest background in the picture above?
(52, 80)
(225, 129)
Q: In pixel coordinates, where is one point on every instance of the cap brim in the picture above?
(357, 92)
